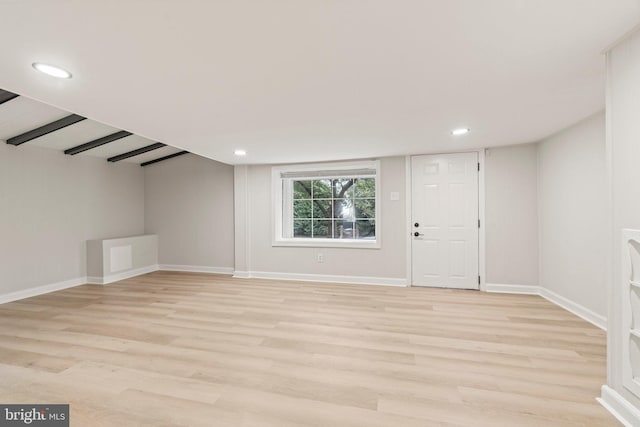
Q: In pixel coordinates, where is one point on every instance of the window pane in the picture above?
(343, 209)
(365, 208)
(322, 189)
(327, 204)
(322, 209)
(301, 189)
(345, 229)
(366, 229)
(302, 209)
(343, 188)
(322, 229)
(366, 187)
(301, 228)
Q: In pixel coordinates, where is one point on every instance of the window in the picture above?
(327, 205)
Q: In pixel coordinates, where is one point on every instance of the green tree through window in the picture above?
(334, 208)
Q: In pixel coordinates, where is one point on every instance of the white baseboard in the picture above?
(513, 289)
(360, 280)
(619, 407)
(237, 274)
(121, 276)
(45, 289)
(196, 269)
(41, 290)
(575, 308)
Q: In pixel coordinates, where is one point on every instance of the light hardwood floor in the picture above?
(169, 349)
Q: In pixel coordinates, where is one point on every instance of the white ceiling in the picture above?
(293, 81)
(21, 115)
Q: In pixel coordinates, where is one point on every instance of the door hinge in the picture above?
(478, 280)
(478, 166)
(478, 223)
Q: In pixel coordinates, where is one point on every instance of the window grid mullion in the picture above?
(318, 222)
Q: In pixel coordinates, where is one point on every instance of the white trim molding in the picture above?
(121, 276)
(482, 234)
(619, 407)
(196, 269)
(238, 274)
(408, 213)
(573, 307)
(482, 286)
(58, 286)
(512, 289)
(283, 212)
(41, 290)
(357, 280)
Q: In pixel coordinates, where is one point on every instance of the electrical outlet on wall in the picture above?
(320, 257)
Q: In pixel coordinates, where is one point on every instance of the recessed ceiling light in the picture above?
(458, 132)
(52, 70)
(240, 152)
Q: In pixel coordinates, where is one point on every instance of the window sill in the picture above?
(328, 243)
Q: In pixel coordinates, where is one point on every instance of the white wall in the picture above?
(511, 213)
(623, 150)
(189, 204)
(51, 204)
(254, 220)
(572, 213)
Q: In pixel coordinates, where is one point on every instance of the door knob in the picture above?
(418, 234)
(416, 225)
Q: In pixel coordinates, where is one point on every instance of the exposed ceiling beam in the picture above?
(97, 142)
(137, 152)
(5, 96)
(170, 156)
(43, 130)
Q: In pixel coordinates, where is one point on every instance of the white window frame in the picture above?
(278, 206)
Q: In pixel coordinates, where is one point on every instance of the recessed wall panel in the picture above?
(457, 205)
(458, 259)
(432, 208)
(431, 258)
(457, 167)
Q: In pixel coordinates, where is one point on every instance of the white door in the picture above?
(444, 220)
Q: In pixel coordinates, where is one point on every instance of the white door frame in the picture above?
(482, 270)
